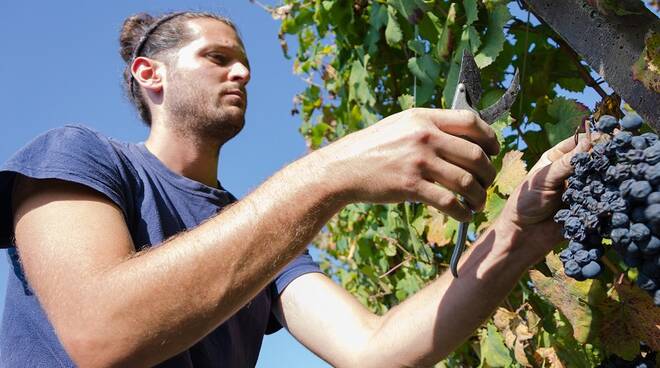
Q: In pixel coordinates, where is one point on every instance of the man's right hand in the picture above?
(403, 156)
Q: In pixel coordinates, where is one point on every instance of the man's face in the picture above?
(205, 82)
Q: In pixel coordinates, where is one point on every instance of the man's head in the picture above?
(186, 70)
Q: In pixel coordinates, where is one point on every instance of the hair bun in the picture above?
(131, 32)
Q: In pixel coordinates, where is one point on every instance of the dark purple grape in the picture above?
(638, 170)
(575, 183)
(622, 139)
(607, 123)
(653, 198)
(637, 214)
(595, 254)
(634, 155)
(651, 138)
(656, 298)
(620, 236)
(618, 205)
(652, 214)
(625, 186)
(650, 246)
(565, 255)
(638, 142)
(572, 269)
(639, 232)
(620, 219)
(591, 270)
(575, 246)
(562, 215)
(639, 190)
(652, 174)
(580, 158)
(581, 257)
(646, 283)
(652, 154)
(631, 122)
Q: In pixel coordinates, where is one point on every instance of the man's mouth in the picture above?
(235, 92)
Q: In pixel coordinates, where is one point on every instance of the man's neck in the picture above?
(186, 155)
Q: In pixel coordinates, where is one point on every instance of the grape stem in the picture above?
(615, 270)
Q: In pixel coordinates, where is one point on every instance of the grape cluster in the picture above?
(614, 192)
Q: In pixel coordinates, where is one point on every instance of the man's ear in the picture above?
(148, 73)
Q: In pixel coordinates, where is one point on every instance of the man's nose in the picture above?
(239, 72)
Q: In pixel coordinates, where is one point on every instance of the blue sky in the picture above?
(59, 64)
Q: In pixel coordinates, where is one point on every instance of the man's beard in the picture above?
(192, 111)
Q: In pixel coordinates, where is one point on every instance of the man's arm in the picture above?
(432, 323)
(112, 306)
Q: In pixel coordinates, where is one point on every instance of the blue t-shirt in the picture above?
(156, 203)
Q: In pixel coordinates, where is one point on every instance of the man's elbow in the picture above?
(98, 348)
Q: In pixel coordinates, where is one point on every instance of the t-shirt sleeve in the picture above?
(71, 153)
(299, 266)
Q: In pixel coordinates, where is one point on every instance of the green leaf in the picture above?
(493, 42)
(406, 102)
(359, 83)
(471, 11)
(493, 351)
(567, 115)
(393, 34)
(445, 37)
(417, 46)
(474, 39)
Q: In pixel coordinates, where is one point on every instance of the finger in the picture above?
(553, 176)
(466, 155)
(457, 180)
(443, 200)
(464, 123)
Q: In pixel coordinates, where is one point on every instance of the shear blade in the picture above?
(471, 78)
(495, 111)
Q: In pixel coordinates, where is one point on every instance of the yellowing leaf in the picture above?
(512, 173)
(516, 330)
(493, 351)
(441, 228)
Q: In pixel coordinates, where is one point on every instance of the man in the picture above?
(134, 255)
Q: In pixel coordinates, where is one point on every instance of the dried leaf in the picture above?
(516, 331)
(631, 317)
(512, 173)
(573, 298)
(549, 355)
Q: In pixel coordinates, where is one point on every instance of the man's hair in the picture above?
(145, 35)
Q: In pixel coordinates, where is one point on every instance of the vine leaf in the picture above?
(573, 298)
(494, 352)
(471, 11)
(441, 228)
(631, 317)
(393, 34)
(567, 115)
(493, 42)
(512, 173)
(518, 329)
(550, 355)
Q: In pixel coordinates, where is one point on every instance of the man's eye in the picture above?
(218, 58)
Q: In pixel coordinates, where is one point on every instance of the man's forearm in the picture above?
(180, 291)
(432, 323)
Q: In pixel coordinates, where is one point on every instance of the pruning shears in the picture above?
(467, 96)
